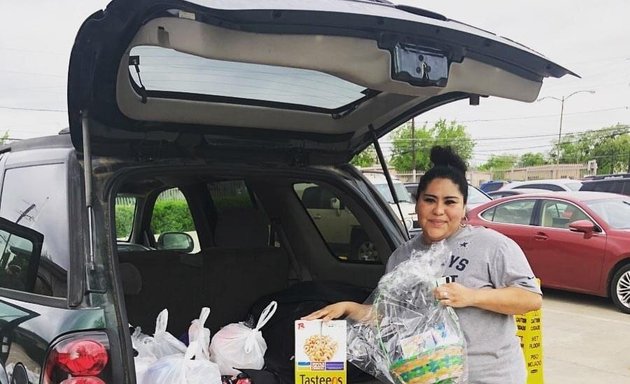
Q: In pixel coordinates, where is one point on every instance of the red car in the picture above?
(574, 241)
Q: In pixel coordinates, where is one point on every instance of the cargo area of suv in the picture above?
(206, 142)
(252, 235)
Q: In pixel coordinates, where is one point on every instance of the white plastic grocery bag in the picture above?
(150, 349)
(165, 344)
(198, 331)
(193, 367)
(143, 344)
(239, 346)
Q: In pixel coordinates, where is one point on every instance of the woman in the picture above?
(492, 279)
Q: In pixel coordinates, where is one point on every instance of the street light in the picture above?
(561, 100)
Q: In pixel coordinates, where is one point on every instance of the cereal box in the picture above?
(320, 352)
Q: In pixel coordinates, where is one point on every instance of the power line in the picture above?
(537, 116)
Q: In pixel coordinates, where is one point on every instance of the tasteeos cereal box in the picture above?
(320, 352)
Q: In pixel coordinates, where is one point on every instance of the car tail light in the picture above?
(81, 358)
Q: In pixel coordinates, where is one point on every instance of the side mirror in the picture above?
(336, 205)
(20, 254)
(585, 226)
(175, 241)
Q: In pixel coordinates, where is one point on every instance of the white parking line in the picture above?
(595, 318)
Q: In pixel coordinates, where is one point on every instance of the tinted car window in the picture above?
(337, 224)
(125, 208)
(231, 194)
(513, 212)
(172, 214)
(25, 202)
(490, 186)
(614, 186)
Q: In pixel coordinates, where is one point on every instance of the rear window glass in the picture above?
(614, 186)
(337, 224)
(162, 69)
(231, 194)
(125, 208)
(45, 210)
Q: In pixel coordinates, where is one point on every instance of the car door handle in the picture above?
(317, 217)
(540, 236)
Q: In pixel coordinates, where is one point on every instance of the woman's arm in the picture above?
(508, 301)
(353, 310)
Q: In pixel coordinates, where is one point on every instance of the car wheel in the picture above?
(620, 289)
(362, 248)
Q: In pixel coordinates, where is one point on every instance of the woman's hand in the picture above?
(455, 295)
(508, 301)
(351, 309)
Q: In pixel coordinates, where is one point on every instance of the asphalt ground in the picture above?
(585, 340)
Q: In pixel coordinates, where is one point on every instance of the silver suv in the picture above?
(192, 127)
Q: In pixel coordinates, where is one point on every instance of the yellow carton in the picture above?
(320, 352)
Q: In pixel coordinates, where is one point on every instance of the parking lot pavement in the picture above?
(585, 340)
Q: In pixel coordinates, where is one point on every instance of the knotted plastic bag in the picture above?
(165, 344)
(408, 337)
(238, 346)
(192, 367)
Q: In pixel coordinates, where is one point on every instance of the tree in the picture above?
(365, 158)
(499, 163)
(609, 146)
(4, 138)
(532, 159)
(408, 140)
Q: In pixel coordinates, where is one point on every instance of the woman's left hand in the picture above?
(454, 295)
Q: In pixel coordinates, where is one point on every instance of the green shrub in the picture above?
(124, 220)
(171, 215)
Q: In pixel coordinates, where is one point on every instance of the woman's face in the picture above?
(440, 210)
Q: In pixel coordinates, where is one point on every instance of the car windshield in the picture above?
(616, 212)
(401, 192)
(476, 197)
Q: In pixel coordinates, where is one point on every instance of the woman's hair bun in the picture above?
(446, 157)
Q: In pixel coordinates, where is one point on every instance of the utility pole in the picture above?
(562, 100)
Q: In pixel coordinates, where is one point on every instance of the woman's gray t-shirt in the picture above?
(483, 258)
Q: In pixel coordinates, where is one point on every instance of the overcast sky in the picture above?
(588, 37)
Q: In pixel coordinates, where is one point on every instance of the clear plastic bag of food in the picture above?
(408, 336)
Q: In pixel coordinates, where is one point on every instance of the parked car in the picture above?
(608, 183)
(607, 176)
(555, 185)
(511, 192)
(492, 185)
(574, 241)
(220, 114)
(406, 201)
